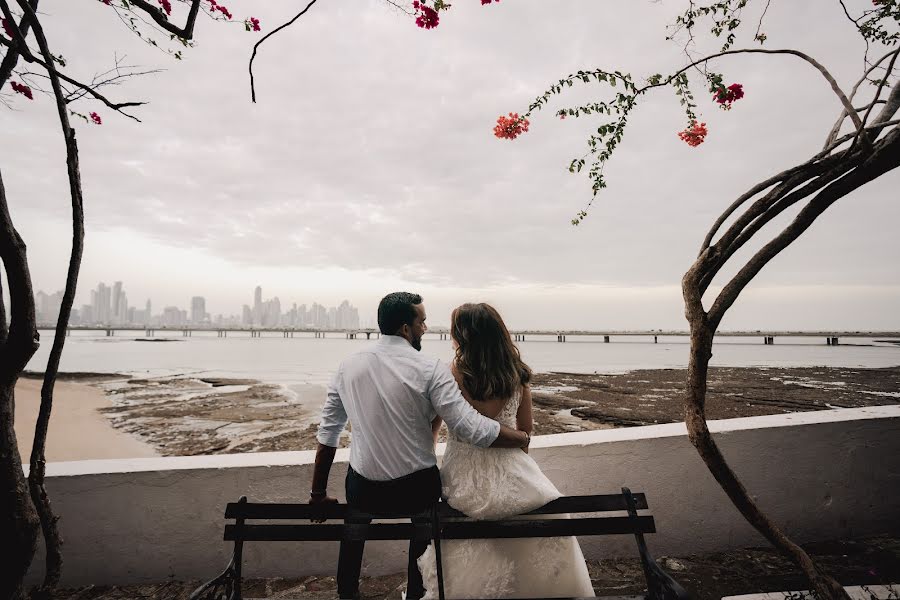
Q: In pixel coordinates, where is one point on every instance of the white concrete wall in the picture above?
(820, 475)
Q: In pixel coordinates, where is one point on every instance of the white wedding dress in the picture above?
(497, 483)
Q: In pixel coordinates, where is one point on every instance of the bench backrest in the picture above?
(451, 524)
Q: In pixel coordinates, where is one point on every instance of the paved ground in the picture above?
(870, 561)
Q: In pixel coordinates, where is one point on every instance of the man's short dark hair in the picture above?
(395, 310)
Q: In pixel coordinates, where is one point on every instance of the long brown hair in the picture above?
(486, 357)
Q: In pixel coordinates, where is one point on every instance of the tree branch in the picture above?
(774, 207)
(12, 57)
(885, 156)
(156, 13)
(267, 36)
(818, 66)
(52, 537)
(116, 106)
(881, 85)
(837, 126)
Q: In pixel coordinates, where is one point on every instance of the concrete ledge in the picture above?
(820, 475)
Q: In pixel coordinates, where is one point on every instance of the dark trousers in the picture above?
(414, 493)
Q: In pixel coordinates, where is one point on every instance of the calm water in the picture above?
(307, 360)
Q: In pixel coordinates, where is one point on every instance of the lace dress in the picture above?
(497, 483)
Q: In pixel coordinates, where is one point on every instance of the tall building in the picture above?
(347, 316)
(116, 317)
(173, 316)
(247, 316)
(257, 306)
(100, 301)
(198, 310)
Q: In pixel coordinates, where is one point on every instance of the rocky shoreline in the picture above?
(188, 416)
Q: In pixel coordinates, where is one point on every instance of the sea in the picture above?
(307, 360)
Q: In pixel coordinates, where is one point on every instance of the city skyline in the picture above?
(109, 306)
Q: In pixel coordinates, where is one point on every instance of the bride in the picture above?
(498, 483)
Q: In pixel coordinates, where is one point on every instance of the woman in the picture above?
(498, 483)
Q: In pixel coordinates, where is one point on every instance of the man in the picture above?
(391, 393)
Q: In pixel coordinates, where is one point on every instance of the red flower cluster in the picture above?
(96, 119)
(214, 6)
(426, 17)
(167, 6)
(483, 2)
(510, 127)
(694, 135)
(21, 89)
(7, 28)
(725, 96)
(107, 2)
(252, 24)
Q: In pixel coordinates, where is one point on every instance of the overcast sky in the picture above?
(369, 165)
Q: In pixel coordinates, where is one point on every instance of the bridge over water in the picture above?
(831, 337)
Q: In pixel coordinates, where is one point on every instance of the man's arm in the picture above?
(466, 422)
(334, 419)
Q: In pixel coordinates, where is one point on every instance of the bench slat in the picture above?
(546, 528)
(569, 504)
(455, 530)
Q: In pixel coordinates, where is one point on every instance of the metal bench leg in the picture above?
(226, 586)
(660, 585)
(436, 539)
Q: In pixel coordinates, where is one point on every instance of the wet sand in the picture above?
(78, 430)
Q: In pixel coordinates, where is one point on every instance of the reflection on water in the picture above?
(307, 360)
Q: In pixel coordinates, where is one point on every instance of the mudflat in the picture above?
(184, 416)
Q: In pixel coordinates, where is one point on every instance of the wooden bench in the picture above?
(442, 523)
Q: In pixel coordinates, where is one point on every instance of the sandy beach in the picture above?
(78, 431)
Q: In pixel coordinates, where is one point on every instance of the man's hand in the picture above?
(322, 502)
(511, 438)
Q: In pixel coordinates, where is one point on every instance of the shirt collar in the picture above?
(393, 340)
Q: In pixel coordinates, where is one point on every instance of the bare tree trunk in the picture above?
(18, 518)
(698, 432)
(884, 157)
(52, 538)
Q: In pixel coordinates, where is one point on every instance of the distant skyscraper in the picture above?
(257, 306)
(100, 299)
(116, 317)
(198, 309)
(173, 316)
(247, 316)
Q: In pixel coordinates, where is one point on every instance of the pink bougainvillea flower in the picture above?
(96, 119)
(510, 127)
(166, 5)
(725, 96)
(694, 135)
(252, 24)
(20, 88)
(483, 2)
(426, 17)
(7, 28)
(215, 6)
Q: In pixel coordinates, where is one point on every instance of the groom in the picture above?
(391, 393)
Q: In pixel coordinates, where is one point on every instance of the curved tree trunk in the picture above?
(698, 432)
(881, 158)
(18, 518)
(52, 538)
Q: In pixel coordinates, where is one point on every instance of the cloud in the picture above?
(371, 150)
